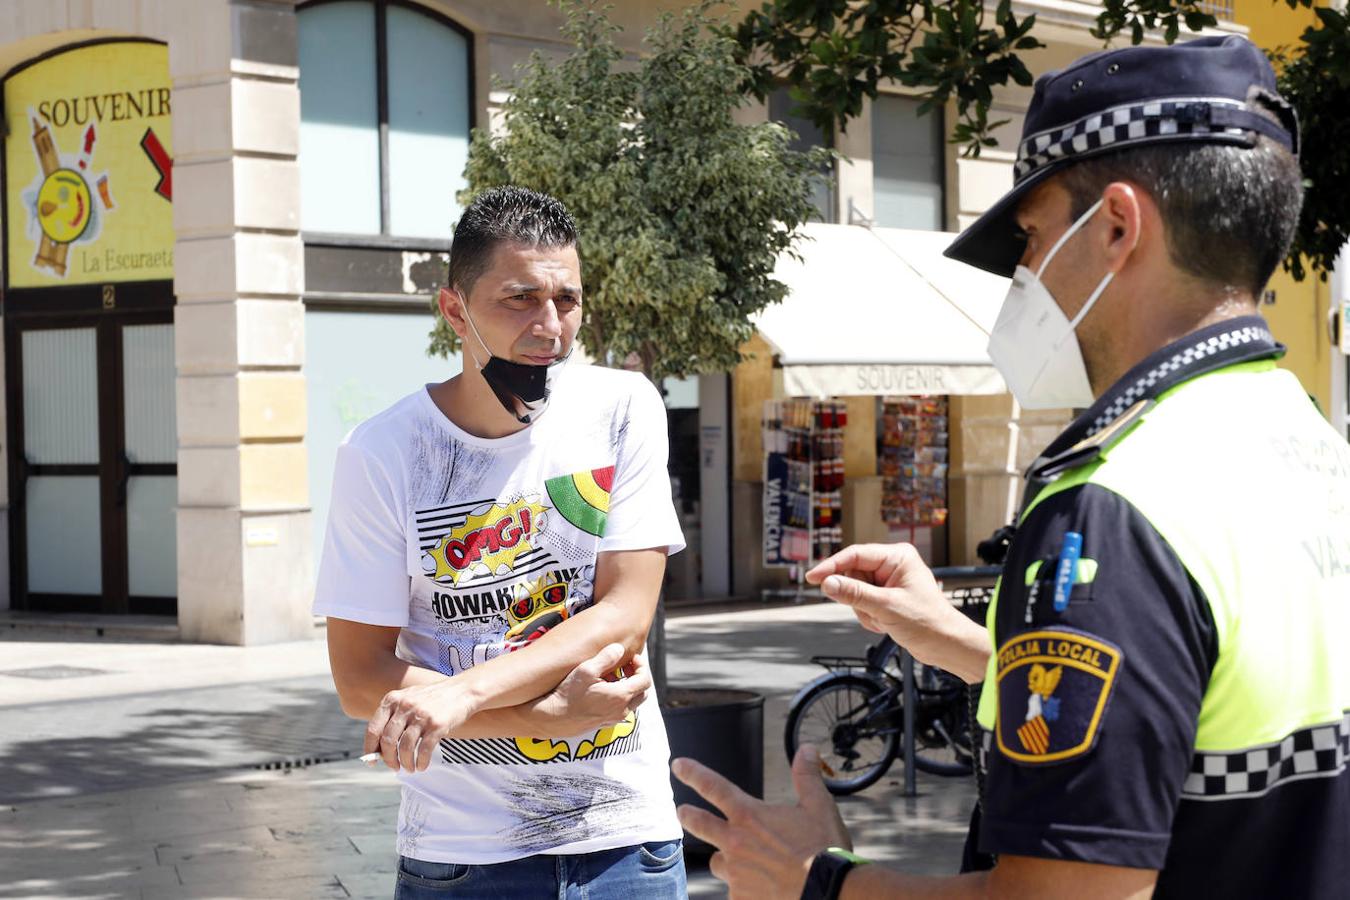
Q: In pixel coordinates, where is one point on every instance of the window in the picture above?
(385, 112)
(356, 364)
(907, 163)
(808, 135)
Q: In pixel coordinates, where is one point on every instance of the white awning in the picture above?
(882, 311)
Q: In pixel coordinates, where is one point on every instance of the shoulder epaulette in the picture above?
(1091, 448)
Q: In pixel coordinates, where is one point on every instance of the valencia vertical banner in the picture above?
(89, 167)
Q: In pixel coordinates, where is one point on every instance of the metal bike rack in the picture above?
(982, 574)
(911, 697)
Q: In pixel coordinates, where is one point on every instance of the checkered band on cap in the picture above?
(1321, 751)
(1121, 126)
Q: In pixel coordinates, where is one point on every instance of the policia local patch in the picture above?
(1053, 687)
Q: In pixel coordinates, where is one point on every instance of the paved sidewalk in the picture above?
(151, 713)
(122, 667)
(148, 793)
(144, 739)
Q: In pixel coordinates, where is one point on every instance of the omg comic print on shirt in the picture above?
(505, 572)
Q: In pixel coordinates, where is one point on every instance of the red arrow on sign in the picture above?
(162, 162)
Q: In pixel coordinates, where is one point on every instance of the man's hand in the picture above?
(890, 590)
(592, 696)
(763, 850)
(410, 722)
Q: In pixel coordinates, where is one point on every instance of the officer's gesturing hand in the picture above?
(891, 590)
(763, 850)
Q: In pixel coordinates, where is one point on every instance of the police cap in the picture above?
(1206, 91)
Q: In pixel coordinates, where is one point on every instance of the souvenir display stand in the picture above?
(912, 460)
(803, 483)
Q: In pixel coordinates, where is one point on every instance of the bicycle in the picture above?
(855, 712)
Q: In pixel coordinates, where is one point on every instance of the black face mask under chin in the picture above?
(517, 384)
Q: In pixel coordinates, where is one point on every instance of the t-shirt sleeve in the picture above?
(641, 505)
(363, 573)
(1097, 703)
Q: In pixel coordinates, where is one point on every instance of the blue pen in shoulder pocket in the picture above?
(1066, 570)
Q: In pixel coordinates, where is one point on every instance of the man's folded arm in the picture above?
(366, 667)
(627, 585)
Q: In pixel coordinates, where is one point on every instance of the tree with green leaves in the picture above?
(834, 53)
(683, 212)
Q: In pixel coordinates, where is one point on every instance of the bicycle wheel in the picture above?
(941, 720)
(942, 724)
(854, 726)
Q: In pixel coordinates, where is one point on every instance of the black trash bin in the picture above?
(724, 730)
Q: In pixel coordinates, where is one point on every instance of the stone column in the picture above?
(982, 475)
(994, 441)
(244, 568)
(752, 382)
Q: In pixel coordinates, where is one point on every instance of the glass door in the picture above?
(60, 511)
(148, 490)
(94, 490)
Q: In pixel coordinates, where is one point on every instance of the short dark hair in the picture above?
(505, 215)
(1229, 211)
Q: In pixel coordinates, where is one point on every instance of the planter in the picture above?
(724, 730)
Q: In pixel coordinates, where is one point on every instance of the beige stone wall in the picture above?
(751, 384)
(982, 476)
(993, 441)
(860, 438)
(240, 333)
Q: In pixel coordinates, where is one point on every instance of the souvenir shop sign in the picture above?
(883, 379)
(89, 167)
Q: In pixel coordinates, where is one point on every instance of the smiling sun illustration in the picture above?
(64, 205)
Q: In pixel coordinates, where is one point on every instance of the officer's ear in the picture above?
(1127, 213)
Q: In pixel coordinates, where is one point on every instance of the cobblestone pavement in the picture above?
(152, 794)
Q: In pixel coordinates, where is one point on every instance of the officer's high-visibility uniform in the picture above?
(1188, 708)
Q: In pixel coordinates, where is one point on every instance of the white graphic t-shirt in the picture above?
(476, 547)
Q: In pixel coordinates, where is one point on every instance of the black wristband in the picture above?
(828, 870)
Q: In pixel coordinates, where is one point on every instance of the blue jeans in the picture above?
(653, 871)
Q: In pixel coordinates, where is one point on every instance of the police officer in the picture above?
(1167, 702)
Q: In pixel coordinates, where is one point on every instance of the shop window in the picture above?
(357, 364)
(684, 571)
(385, 112)
(808, 136)
(681, 396)
(907, 164)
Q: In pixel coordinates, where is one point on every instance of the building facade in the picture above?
(223, 222)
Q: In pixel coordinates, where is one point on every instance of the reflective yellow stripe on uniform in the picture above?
(1264, 531)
